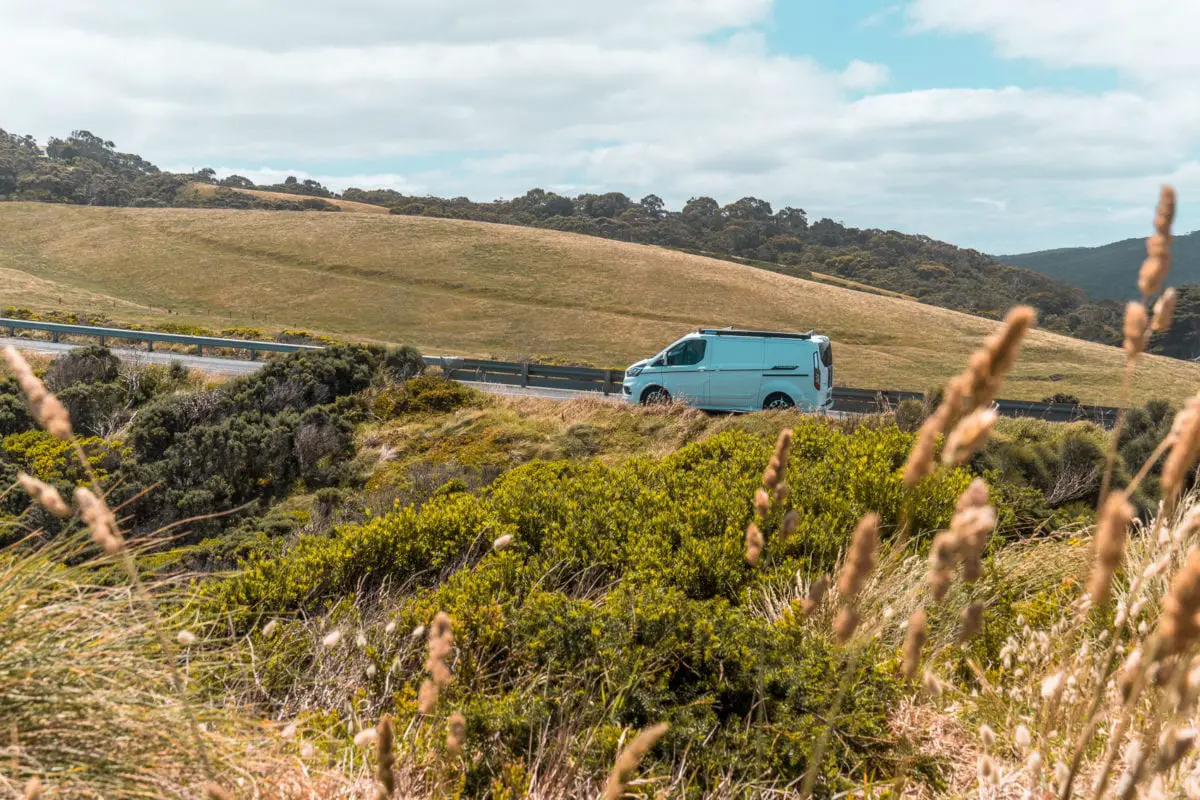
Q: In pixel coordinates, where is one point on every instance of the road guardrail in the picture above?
(549, 376)
(57, 330)
(862, 401)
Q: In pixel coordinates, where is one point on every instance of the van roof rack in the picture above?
(766, 334)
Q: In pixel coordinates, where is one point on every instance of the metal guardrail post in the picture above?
(199, 349)
(524, 373)
(102, 341)
(54, 336)
(149, 346)
(608, 379)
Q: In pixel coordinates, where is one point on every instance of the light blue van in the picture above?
(737, 370)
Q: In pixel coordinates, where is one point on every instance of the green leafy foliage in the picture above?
(255, 439)
(623, 583)
(421, 395)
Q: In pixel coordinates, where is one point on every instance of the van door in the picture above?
(685, 372)
(737, 364)
(788, 370)
(826, 348)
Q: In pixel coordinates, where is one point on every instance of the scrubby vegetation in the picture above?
(614, 515)
(780, 605)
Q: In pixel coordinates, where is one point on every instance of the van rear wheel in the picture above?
(656, 396)
(778, 401)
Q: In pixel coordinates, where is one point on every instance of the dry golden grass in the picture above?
(469, 288)
(345, 205)
(849, 284)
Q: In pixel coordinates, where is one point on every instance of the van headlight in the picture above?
(633, 372)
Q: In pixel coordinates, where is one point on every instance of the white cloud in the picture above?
(676, 97)
(1151, 40)
(864, 75)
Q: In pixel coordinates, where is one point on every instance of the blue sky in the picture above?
(1005, 125)
(881, 32)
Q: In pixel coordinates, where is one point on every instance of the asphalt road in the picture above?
(234, 367)
(535, 391)
(218, 366)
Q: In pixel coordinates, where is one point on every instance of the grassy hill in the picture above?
(207, 190)
(1104, 272)
(470, 288)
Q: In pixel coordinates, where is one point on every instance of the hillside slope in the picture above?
(1103, 272)
(450, 286)
(202, 190)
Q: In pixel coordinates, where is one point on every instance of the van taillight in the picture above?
(816, 373)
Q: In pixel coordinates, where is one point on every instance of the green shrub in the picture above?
(1041, 467)
(14, 410)
(424, 394)
(680, 518)
(626, 583)
(89, 365)
(253, 440)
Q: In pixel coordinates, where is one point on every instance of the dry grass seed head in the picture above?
(44, 406)
(441, 643)
(974, 496)
(845, 624)
(1007, 345)
(1177, 625)
(860, 558)
(45, 495)
(762, 503)
(214, 791)
(1108, 545)
(968, 436)
(754, 545)
(914, 640)
(971, 624)
(1185, 449)
(783, 450)
(1164, 215)
(920, 459)
(33, 789)
(99, 519)
(972, 523)
(456, 734)
(427, 697)
(1164, 311)
(1157, 265)
(791, 523)
(629, 758)
(385, 758)
(1174, 746)
(943, 556)
(816, 593)
(1136, 329)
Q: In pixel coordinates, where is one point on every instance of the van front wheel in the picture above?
(778, 401)
(656, 396)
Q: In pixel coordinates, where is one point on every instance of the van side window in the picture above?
(686, 354)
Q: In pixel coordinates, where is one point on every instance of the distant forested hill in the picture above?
(1103, 272)
(86, 169)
